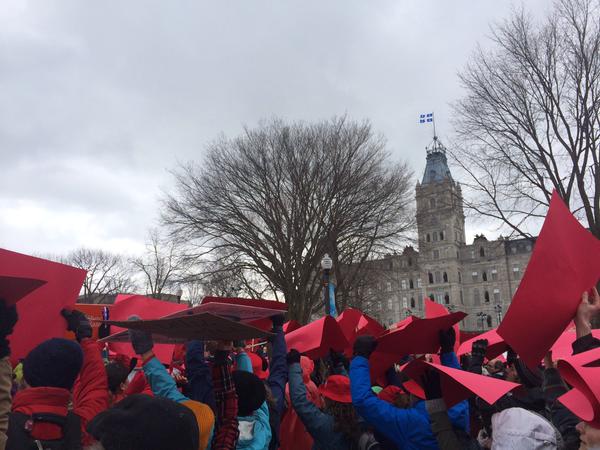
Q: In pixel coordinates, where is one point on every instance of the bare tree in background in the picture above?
(163, 265)
(108, 274)
(529, 121)
(274, 200)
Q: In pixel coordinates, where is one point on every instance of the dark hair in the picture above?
(345, 419)
(116, 373)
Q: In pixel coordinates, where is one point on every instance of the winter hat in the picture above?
(530, 378)
(520, 428)
(257, 366)
(337, 388)
(250, 390)
(54, 363)
(141, 422)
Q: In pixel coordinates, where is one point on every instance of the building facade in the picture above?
(478, 278)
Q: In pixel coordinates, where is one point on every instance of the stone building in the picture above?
(479, 278)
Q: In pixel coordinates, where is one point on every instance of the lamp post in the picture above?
(498, 309)
(481, 315)
(326, 265)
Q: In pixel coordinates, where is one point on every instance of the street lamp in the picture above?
(482, 316)
(326, 265)
(498, 309)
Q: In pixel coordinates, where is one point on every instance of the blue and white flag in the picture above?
(426, 118)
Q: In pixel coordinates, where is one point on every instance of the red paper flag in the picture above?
(353, 323)
(39, 311)
(563, 347)
(584, 399)
(564, 264)
(256, 303)
(146, 308)
(290, 326)
(13, 289)
(458, 385)
(416, 337)
(433, 309)
(317, 338)
(496, 345)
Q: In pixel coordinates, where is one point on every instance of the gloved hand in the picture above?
(8, 319)
(478, 351)
(278, 320)
(141, 341)
(364, 346)
(447, 340)
(77, 323)
(293, 357)
(431, 384)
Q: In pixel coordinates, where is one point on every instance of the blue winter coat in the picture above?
(408, 428)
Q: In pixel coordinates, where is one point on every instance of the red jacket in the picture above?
(90, 397)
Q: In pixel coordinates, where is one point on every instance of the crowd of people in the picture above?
(68, 395)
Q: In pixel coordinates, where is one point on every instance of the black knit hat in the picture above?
(529, 378)
(141, 422)
(54, 363)
(250, 390)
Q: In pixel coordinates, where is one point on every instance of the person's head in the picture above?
(250, 391)
(338, 404)
(54, 363)
(518, 372)
(141, 422)
(117, 374)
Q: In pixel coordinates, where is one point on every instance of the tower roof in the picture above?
(436, 169)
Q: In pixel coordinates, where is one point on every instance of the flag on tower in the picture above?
(426, 118)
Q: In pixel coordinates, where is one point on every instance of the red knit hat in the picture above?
(337, 388)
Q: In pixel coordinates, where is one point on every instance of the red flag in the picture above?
(13, 289)
(458, 385)
(433, 309)
(564, 264)
(417, 336)
(290, 326)
(354, 323)
(146, 308)
(39, 311)
(317, 338)
(496, 345)
(563, 347)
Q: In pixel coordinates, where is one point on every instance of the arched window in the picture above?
(430, 275)
(409, 261)
(411, 285)
(447, 299)
(482, 252)
(428, 237)
(441, 235)
(489, 321)
(412, 302)
(484, 275)
(486, 296)
(459, 277)
(432, 200)
(445, 277)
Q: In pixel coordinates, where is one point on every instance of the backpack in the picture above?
(20, 425)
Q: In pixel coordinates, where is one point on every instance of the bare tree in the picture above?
(529, 121)
(108, 274)
(277, 198)
(163, 265)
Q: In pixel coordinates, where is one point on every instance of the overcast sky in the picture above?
(99, 100)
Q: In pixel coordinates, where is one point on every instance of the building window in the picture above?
(411, 284)
(486, 296)
(388, 286)
(390, 304)
(428, 237)
(419, 284)
(436, 254)
(438, 277)
(516, 271)
(496, 295)
(430, 275)
(409, 261)
(528, 247)
(403, 284)
(459, 277)
(476, 298)
(447, 299)
(474, 275)
(404, 303)
(472, 254)
(494, 274)
(462, 298)
(435, 236)
(513, 249)
(445, 277)
(481, 252)
(412, 302)
(432, 200)
(489, 321)
(484, 275)
(441, 235)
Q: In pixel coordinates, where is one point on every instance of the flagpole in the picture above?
(433, 121)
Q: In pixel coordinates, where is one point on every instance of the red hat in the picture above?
(390, 393)
(257, 366)
(337, 388)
